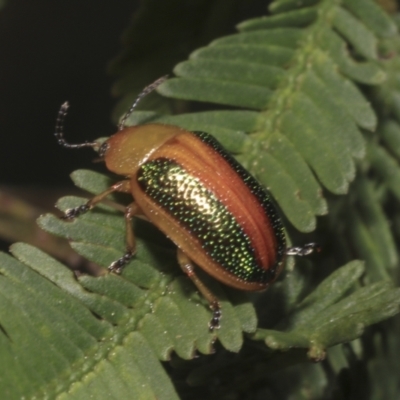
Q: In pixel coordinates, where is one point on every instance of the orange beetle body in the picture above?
(187, 185)
(233, 231)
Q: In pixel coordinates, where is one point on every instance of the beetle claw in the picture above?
(118, 265)
(303, 250)
(72, 213)
(216, 318)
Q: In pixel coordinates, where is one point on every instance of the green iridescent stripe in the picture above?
(258, 191)
(197, 210)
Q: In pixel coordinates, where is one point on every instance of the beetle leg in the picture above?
(303, 250)
(122, 186)
(188, 268)
(130, 212)
(118, 265)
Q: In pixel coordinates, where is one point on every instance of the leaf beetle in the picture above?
(185, 183)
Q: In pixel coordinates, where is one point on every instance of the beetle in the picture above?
(186, 184)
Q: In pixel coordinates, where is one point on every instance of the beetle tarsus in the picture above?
(303, 250)
(72, 213)
(216, 318)
(118, 265)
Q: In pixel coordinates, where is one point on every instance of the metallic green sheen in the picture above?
(203, 216)
(258, 191)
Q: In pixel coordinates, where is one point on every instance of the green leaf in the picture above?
(296, 76)
(387, 167)
(345, 93)
(264, 68)
(70, 330)
(328, 317)
(225, 92)
(363, 72)
(287, 5)
(361, 38)
(373, 16)
(253, 74)
(375, 219)
(390, 133)
(297, 18)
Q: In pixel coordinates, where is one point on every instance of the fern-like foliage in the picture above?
(306, 130)
(295, 71)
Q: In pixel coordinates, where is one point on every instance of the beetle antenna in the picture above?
(143, 93)
(59, 133)
(304, 250)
